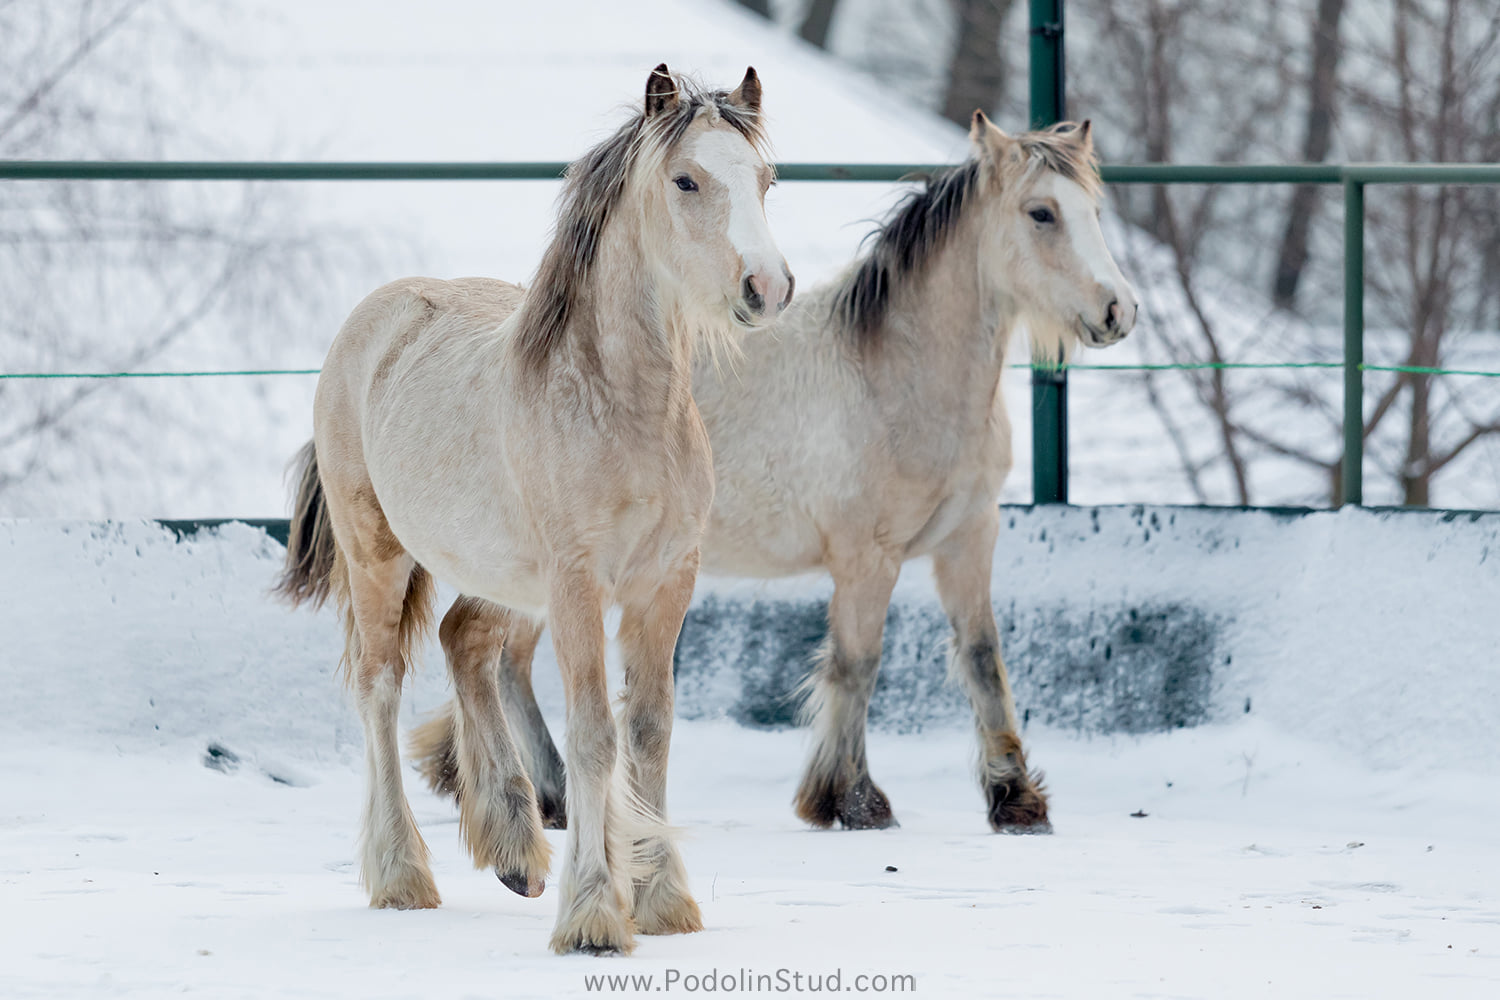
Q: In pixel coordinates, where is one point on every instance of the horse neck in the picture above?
(946, 331)
(637, 353)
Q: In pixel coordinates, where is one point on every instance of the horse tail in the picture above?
(312, 553)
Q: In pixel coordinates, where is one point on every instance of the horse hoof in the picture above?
(520, 884)
(1044, 827)
(599, 950)
(862, 806)
(1018, 807)
(554, 813)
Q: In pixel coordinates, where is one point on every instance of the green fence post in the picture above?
(1354, 343)
(1049, 387)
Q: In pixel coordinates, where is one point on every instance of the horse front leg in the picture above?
(593, 915)
(837, 783)
(1016, 797)
(648, 635)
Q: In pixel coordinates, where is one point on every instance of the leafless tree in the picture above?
(111, 276)
(1322, 93)
(1423, 85)
(977, 66)
(817, 22)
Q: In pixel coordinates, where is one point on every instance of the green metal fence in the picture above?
(1049, 486)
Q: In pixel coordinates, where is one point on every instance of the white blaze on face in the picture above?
(1081, 223)
(729, 158)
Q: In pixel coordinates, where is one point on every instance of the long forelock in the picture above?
(593, 187)
(1057, 149)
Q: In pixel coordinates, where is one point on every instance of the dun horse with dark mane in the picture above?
(870, 429)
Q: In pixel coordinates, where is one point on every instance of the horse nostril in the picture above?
(754, 300)
(1112, 315)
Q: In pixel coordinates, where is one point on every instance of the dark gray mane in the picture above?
(917, 227)
(594, 185)
(922, 221)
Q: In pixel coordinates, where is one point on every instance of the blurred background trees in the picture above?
(124, 276)
(1274, 81)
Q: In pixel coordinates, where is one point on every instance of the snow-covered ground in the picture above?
(1264, 866)
(1338, 841)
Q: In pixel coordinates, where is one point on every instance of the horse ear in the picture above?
(661, 91)
(747, 94)
(989, 140)
(1085, 137)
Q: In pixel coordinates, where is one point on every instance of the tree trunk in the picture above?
(1321, 93)
(976, 68)
(817, 21)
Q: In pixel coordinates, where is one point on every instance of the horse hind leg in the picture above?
(434, 744)
(1015, 797)
(543, 763)
(497, 806)
(836, 785)
(386, 607)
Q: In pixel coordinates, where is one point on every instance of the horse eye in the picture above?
(1042, 215)
(685, 183)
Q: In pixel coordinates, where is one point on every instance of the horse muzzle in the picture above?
(763, 287)
(1118, 320)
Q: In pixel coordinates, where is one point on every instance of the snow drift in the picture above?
(1372, 630)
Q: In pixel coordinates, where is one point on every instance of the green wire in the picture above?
(1186, 366)
(248, 371)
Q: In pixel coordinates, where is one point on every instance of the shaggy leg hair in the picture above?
(837, 787)
(393, 856)
(837, 784)
(497, 806)
(434, 744)
(1015, 797)
(649, 627)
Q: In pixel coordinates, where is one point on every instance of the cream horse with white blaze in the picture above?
(541, 452)
(869, 430)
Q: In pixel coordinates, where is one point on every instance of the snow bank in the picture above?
(1369, 630)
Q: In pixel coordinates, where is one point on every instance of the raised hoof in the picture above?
(860, 806)
(1018, 806)
(520, 884)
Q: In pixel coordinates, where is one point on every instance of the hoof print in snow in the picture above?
(220, 758)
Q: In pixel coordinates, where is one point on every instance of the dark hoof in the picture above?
(520, 884)
(599, 950)
(860, 806)
(1018, 805)
(554, 812)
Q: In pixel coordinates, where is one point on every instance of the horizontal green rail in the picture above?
(1162, 367)
(1353, 177)
(547, 170)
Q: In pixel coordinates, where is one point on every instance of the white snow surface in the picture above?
(1338, 842)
